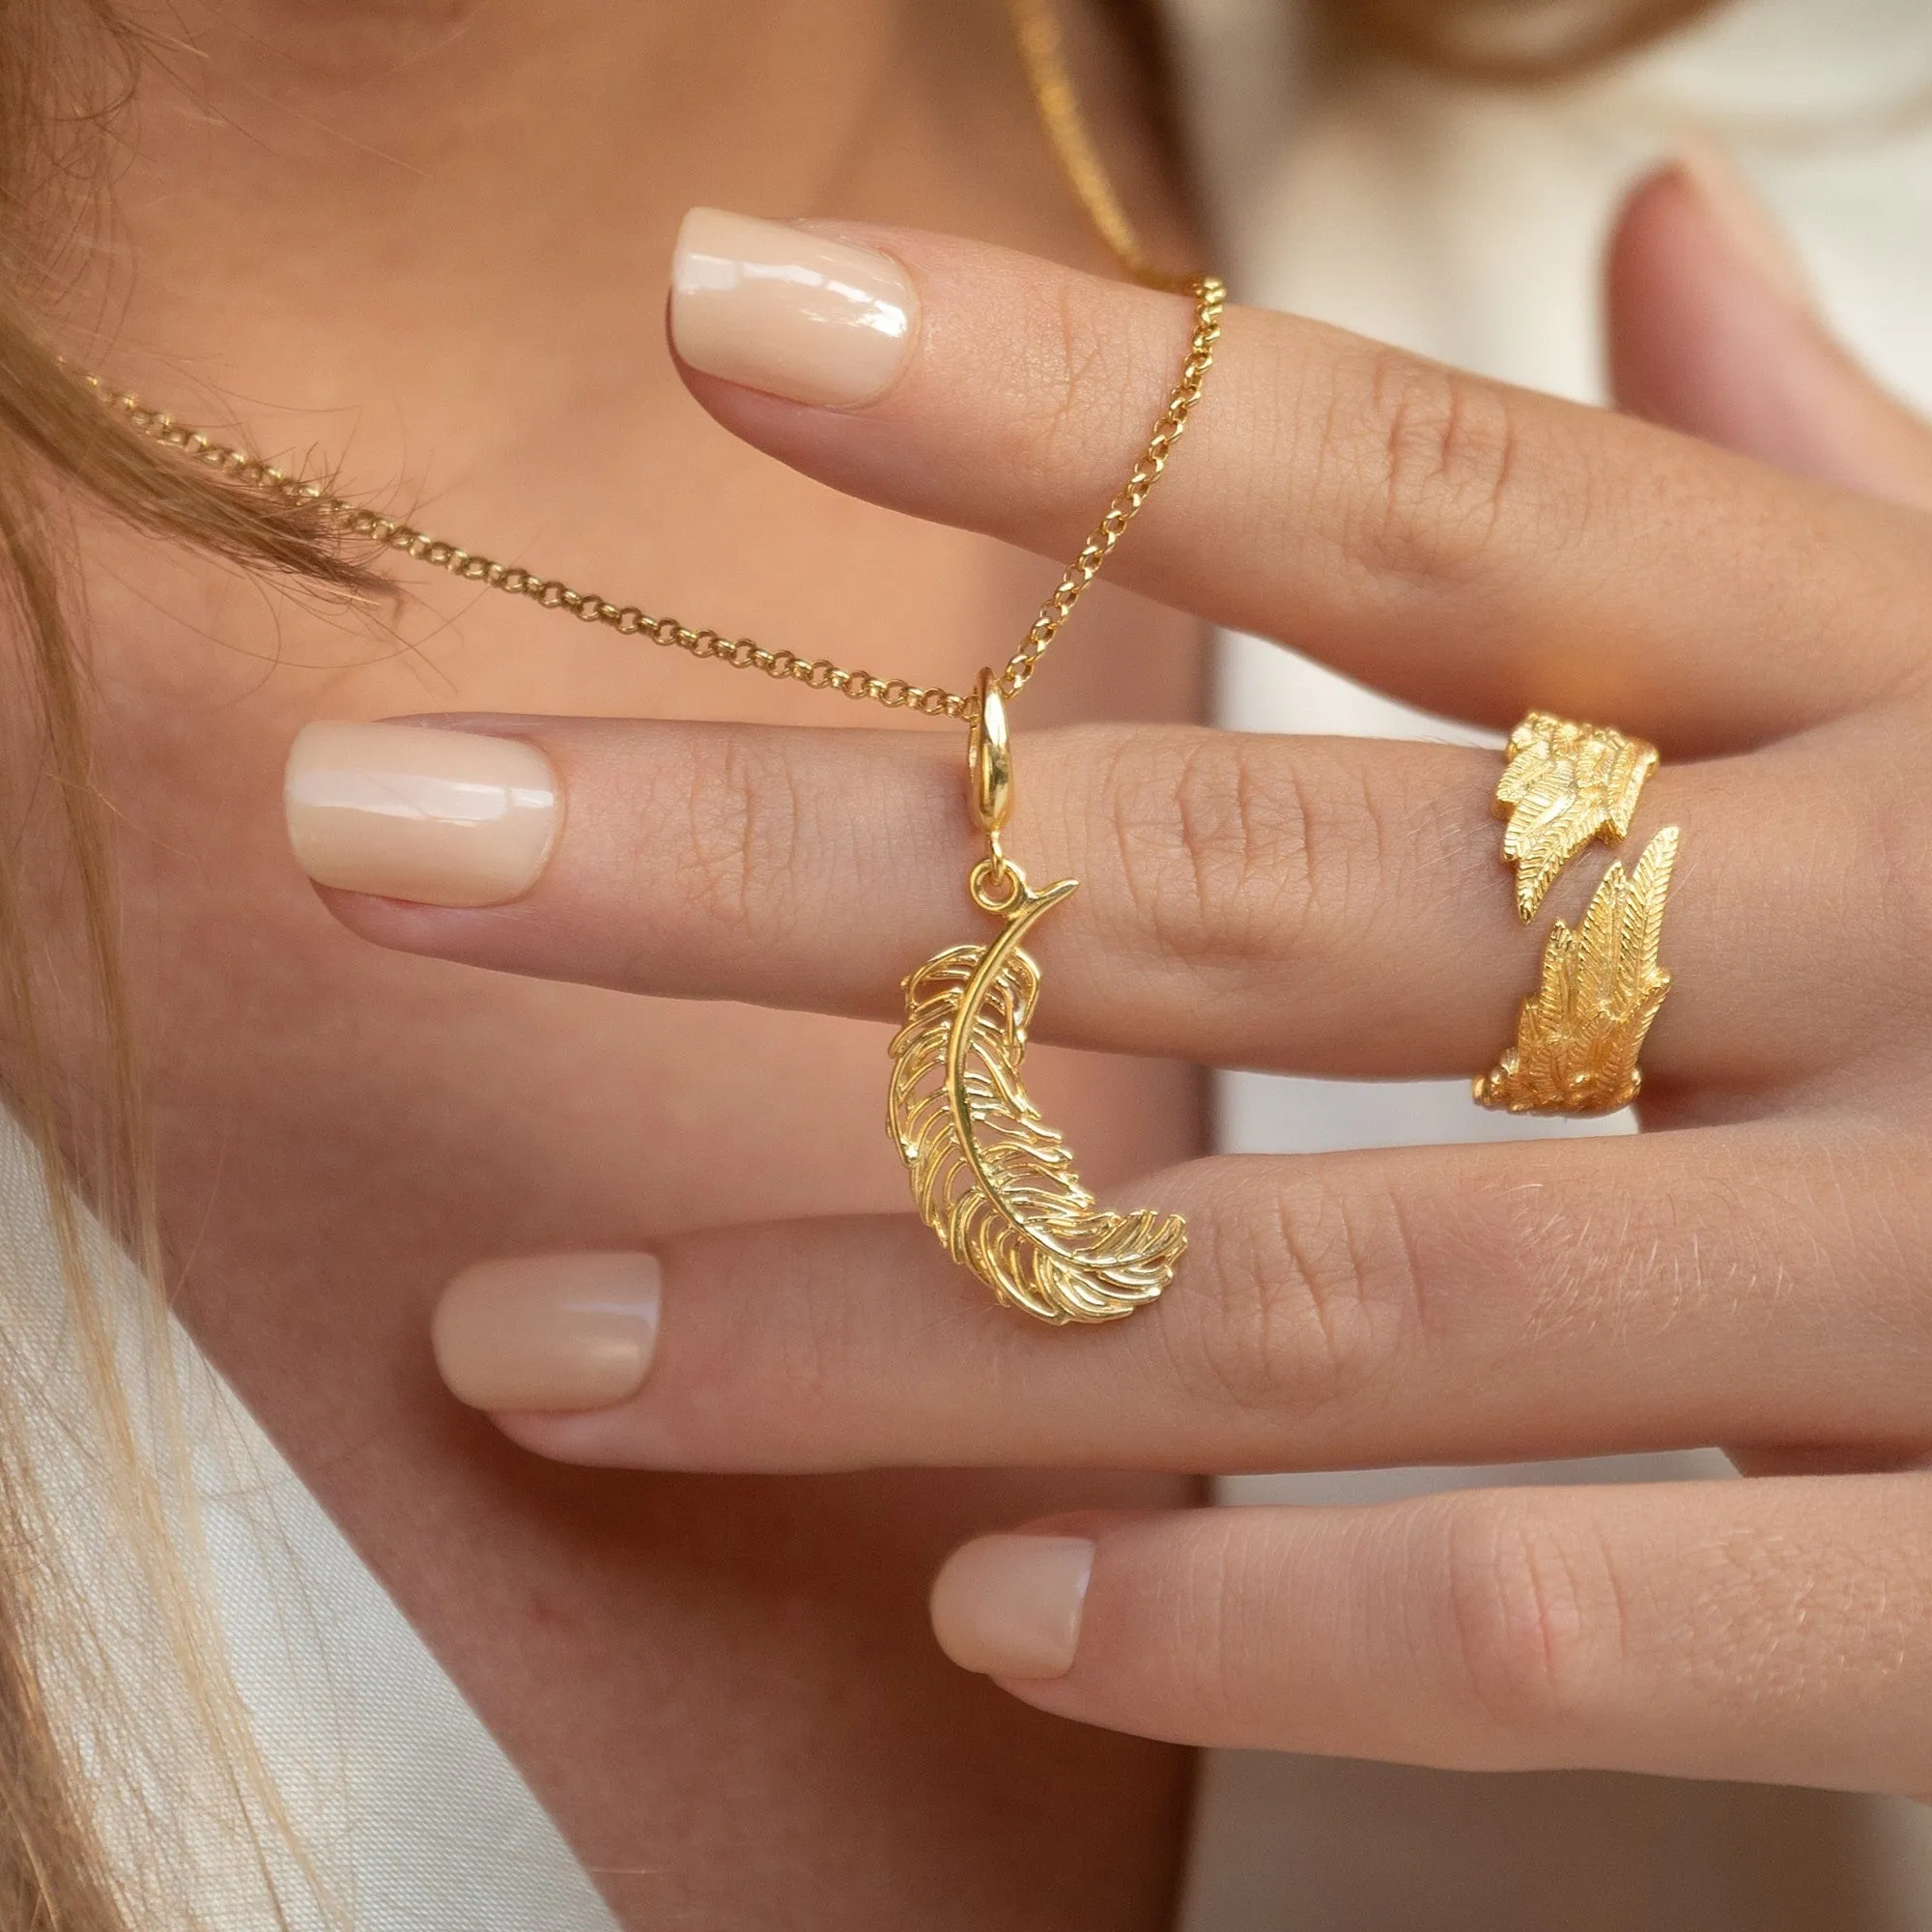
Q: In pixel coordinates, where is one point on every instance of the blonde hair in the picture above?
(66, 71)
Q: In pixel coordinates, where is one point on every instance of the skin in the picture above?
(431, 243)
(1750, 1271)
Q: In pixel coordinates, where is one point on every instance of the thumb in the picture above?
(1712, 330)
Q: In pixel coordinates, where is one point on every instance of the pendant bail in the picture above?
(989, 757)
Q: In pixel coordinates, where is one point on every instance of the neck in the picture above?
(326, 183)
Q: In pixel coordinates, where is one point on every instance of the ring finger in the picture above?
(1438, 1304)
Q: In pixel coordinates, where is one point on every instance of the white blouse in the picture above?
(411, 1815)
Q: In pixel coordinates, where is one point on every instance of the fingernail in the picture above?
(1743, 220)
(779, 310)
(548, 1331)
(407, 811)
(1010, 1606)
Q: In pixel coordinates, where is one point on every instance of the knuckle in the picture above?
(1213, 1634)
(1240, 854)
(1081, 374)
(745, 827)
(1075, 367)
(1901, 855)
(1234, 1626)
(1531, 1618)
(1430, 455)
(1310, 1303)
(1894, 827)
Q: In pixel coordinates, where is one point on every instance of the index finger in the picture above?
(1473, 547)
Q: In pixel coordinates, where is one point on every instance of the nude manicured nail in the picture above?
(548, 1331)
(782, 311)
(1742, 220)
(1010, 1605)
(407, 811)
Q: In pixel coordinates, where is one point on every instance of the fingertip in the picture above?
(549, 1339)
(591, 1439)
(408, 809)
(1732, 208)
(1009, 1607)
(1705, 331)
(1713, 329)
(791, 310)
(970, 424)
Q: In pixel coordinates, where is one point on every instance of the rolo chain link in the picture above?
(1211, 299)
(358, 520)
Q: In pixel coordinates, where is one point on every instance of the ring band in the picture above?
(1579, 1035)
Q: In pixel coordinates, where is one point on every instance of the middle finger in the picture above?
(1324, 906)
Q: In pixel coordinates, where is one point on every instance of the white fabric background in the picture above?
(1468, 223)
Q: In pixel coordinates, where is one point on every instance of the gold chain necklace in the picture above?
(989, 1177)
(359, 522)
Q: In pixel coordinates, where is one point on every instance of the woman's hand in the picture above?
(1755, 1273)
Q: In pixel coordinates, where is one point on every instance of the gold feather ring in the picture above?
(1579, 1035)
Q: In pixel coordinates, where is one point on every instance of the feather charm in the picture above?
(989, 1177)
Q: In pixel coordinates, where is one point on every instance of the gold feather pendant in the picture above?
(989, 1177)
